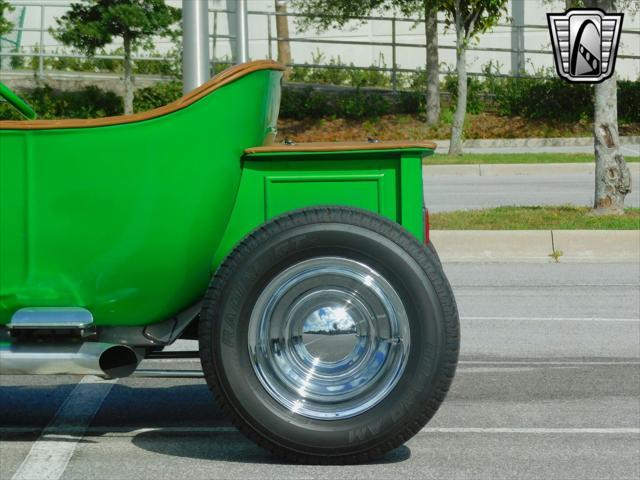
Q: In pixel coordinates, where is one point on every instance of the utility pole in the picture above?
(517, 37)
(242, 34)
(195, 44)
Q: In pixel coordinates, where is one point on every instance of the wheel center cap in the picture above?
(322, 337)
(329, 334)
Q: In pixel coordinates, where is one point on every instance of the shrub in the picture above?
(221, 65)
(339, 73)
(304, 102)
(410, 102)
(335, 74)
(629, 101)
(551, 98)
(7, 112)
(538, 99)
(368, 77)
(156, 96)
(357, 105)
(556, 99)
(475, 92)
(90, 102)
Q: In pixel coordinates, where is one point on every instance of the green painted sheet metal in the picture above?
(130, 221)
(387, 182)
(124, 219)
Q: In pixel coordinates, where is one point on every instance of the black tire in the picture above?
(411, 268)
(434, 252)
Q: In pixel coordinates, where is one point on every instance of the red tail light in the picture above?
(426, 226)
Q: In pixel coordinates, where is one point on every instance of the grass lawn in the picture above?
(473, 158)
(534, 218)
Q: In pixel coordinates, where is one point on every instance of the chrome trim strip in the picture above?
(51, 317)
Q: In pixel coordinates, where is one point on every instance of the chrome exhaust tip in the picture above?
(118, 361)
(88, 358)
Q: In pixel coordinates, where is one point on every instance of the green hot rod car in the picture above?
(327, 329)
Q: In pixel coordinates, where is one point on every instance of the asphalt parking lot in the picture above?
(548, 387)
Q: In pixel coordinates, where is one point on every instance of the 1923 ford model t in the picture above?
(327, 329)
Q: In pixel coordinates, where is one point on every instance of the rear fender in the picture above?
(386, 181)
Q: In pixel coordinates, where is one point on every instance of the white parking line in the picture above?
(556, 431)
(554, 319)
(558, 363)
(50, 454)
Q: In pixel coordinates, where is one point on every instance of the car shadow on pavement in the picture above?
(229, 446)
(169, 417)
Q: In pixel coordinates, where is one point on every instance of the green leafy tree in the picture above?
(324, 14)
(470, 19)
(93, 24)
(5, 25)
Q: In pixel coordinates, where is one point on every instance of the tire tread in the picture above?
(425, 256)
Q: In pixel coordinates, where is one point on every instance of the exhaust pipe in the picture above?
(89, 358)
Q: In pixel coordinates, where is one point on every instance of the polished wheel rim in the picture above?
(329, 338)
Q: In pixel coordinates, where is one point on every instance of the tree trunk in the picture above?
(433, 67)
(128, 80)
(455, 147)
(282, 31)
(613, 179)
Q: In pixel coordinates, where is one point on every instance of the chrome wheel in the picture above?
(329, 338)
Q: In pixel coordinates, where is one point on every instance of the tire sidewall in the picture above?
(414, 395)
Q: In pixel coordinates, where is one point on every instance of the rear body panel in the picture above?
(124, 220)
(386, 181)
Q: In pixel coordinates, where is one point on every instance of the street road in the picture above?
(463, 192)
(548, 387)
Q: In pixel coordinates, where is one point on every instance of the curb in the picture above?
(535, 142)
(499, 169)
(537, 245)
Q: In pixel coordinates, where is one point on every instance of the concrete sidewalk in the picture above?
(501, 169)
(630, 145)
(537, 245)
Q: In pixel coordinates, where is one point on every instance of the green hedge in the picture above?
(354, 104)
(90, 102)
(476, 92)
(536, 99)
(539, 99)
(156, 96)
(629, 101)
(543, 98)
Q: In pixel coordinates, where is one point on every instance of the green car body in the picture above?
(327, 331)
(130, 220)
